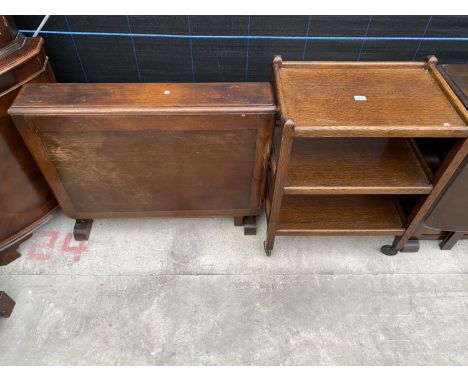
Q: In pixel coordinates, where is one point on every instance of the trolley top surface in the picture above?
(359, 94)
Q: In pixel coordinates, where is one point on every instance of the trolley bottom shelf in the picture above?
(340, 215)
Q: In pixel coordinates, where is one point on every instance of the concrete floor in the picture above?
(198, 292)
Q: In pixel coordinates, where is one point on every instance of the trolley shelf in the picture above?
(339, 215)
(353, 166)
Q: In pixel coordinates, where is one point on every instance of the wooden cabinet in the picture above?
(135, 150)
(344, 155)
(26, 201)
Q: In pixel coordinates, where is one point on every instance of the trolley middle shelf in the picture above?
(354, 166)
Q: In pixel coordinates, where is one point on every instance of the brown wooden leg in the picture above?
(450, 240)
(6, 305)
(250, 225)
(82, 229)
(238, 221)
(268, 246)
(411, 245)
(278, 187)
(11, 253)
(270, 241)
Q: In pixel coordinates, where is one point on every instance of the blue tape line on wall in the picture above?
(252, 37)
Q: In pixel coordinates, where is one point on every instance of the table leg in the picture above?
(450, 240)
(82, 229)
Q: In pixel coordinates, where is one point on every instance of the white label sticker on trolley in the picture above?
(360, 98)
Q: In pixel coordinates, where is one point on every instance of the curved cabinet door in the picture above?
(26, 201)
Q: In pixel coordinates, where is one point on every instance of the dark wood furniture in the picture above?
(140, 150)
(7, 31)
(6, 36)
(456, 76)
(6, 305)
(448, 218)
(344, 156)
(26, 201)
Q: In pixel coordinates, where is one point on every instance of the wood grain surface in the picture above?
(354, 166)
(339, 215)
(380, 99)
(130, 150)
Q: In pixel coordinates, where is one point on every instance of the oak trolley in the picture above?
(344, 158)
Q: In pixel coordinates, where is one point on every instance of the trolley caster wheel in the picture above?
(388, 250)
(267, 251)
